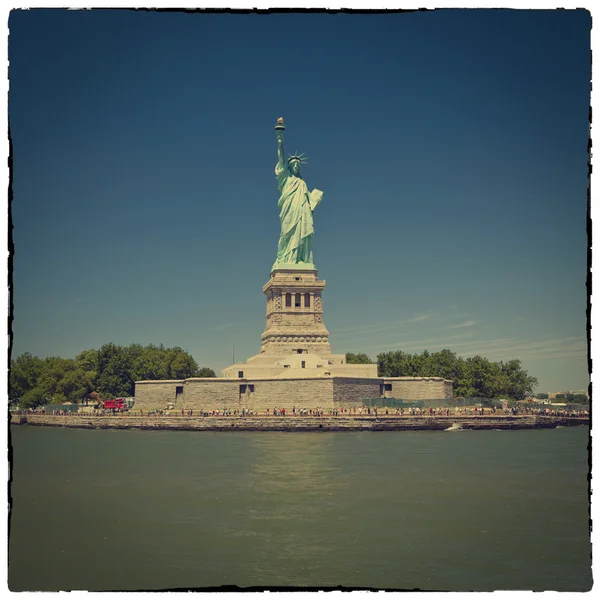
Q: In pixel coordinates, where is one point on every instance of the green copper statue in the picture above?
(296, 206)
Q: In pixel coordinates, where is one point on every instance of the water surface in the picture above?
(462, 510)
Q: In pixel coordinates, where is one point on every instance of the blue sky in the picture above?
(451, 147)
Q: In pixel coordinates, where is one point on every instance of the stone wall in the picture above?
(287, 393)
(207, 393)
(353, 391)
(418, 388)
(153, 395)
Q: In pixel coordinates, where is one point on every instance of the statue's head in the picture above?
(294, 166)
(294, 163)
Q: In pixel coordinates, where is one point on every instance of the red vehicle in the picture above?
(116, 404)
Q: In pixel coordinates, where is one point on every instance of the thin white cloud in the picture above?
(574, 355)
(461, 325)
(366, 329)
(434, 342)
(422, 344)
(573, 347)
(569, 347)
(487, 343)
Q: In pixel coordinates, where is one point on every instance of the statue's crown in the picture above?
(299, 157)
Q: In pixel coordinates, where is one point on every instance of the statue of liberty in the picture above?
(296, 206)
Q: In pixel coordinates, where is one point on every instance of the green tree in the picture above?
(32, 398)
(118, 368)
(542, 396)
(181, 364)
(75, 385)
(87, 360)
(580, 398)
(59, 398)
(472, 377)
(423, 365)
(394, 364)
(113, 378)
(206, 372)
(112, 370)
(64, 381)
(25, 371)
(54, 370)
(518, 385)
(484, 376)
(358, 359)
(446, 364)
(572, 398)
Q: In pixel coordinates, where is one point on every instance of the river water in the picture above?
(152, 510)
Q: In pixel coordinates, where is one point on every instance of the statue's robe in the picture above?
(296, 206)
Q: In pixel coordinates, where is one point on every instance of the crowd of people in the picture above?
(29, 411)
(42, 411)
(440, 411)
(546, 411)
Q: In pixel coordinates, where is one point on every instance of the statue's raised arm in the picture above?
(279, 129)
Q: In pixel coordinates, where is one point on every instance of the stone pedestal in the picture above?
(294, 314)
(295, 343)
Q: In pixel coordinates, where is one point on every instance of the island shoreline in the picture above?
(289, 423)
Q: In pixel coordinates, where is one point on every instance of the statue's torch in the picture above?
(280, 126)
(279, 129)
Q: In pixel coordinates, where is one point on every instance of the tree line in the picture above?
(473, 377)
(110, 371)
(113, 370)
(572, 398)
